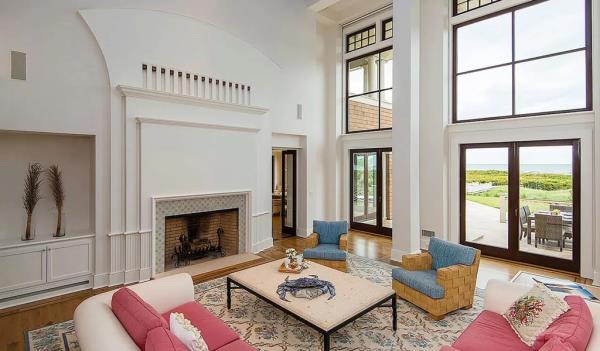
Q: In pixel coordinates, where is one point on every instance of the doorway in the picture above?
(284, 193)
(371, 190)
(520, 201)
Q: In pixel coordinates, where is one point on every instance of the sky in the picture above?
(527, 155)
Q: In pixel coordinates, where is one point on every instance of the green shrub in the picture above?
(540, 181)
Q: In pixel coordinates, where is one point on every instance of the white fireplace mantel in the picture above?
(150, 94)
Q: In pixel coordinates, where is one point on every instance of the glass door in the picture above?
(520, 201)
(288, 193)
(371, 186)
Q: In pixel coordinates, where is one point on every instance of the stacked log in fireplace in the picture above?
(197, 248)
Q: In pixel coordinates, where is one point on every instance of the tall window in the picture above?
(369, 92)
(529, 60)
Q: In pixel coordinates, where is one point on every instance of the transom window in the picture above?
(529, 60)
(387, 28)
(462, 6)
(369, 92)
(360, 39)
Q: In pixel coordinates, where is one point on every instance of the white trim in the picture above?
(168, 122)
(130, 91)
(564, 119)
(100, 280)
(482, 11)
(262, 213)
(44, 241)
(397, 254)
(596, 281)
(264, 244)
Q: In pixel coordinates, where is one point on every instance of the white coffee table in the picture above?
(354, 296)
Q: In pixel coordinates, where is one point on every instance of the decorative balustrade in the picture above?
(174, 81)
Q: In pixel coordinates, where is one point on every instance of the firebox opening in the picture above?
(198, 237)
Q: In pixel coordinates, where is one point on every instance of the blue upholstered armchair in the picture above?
(440, 280)
(327, 244)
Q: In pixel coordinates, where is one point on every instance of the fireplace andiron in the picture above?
(197, 249)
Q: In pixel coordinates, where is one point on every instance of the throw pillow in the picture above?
(161, 339)
(189, 335)
(533, 312)
(136, 315)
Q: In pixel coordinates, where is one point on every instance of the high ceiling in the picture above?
(342, 11)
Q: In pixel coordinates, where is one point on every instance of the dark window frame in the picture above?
(360, 31)
(377, 91)
(456, 3)
(587, 49)
(383, 23)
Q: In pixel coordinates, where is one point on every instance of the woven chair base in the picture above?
(460, 297)
(339, 265)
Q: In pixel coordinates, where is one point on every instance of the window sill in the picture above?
(584, 118)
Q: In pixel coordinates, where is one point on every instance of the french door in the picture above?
(520, 201)
(371, 190)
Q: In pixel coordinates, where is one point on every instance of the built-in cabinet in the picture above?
(40, 269)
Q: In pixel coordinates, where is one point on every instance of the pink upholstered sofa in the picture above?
(490, 331)
(98, 329)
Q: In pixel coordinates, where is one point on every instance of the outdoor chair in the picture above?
(523, 222)
(549, 227)
(561, 208)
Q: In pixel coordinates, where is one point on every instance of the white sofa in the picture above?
(98, 329)
(499, 295)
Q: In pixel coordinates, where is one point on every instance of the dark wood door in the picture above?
(288, 192)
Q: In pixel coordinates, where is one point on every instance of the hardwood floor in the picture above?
(15, 321)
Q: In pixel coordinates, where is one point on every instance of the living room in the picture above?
(201, 158)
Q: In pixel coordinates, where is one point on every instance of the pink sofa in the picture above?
(98, 329)
(490, 331)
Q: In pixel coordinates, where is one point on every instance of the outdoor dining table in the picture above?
(567, 218)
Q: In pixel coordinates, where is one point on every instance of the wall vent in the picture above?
(427, 233)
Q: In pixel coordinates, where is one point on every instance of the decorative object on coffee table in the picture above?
(55, 181)
(31, 196)
(298, 287)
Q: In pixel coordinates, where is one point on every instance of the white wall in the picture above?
(69, 91)
(74, 157)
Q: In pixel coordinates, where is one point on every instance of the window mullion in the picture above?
(514, 110)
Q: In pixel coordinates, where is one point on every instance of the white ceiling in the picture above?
(342, 11)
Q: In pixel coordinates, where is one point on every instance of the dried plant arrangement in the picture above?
(55, 182)
(31, 195)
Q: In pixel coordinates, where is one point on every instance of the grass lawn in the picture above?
(536, 199)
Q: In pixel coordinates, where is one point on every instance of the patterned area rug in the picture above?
(267, 328)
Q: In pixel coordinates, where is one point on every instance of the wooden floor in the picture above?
(14, 322)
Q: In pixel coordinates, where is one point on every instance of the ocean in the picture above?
(524, 168)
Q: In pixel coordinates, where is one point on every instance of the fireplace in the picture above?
(197, 237)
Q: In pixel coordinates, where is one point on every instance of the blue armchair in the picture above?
(440, 280)
(328, 244)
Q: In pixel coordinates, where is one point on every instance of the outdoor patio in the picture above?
(484, 227)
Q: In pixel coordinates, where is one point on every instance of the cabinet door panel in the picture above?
(21, 268)
(68, 260)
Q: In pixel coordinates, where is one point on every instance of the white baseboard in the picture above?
(116, 278)
(100, 280)
(265, 244)
(596, 278)
(145, 274)
(132, 276)
(397, 254)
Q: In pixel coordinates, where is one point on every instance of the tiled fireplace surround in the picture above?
(192, 204)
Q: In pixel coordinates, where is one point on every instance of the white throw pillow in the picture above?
(531, 314)
(189, 335)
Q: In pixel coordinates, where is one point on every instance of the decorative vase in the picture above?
(30, 228)
(287, 261)
(61, 225)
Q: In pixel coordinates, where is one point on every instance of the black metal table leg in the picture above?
(228, 293)
(394, 313)
(326, 342)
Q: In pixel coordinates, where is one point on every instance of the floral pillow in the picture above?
(186, 333)
(533, 312)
